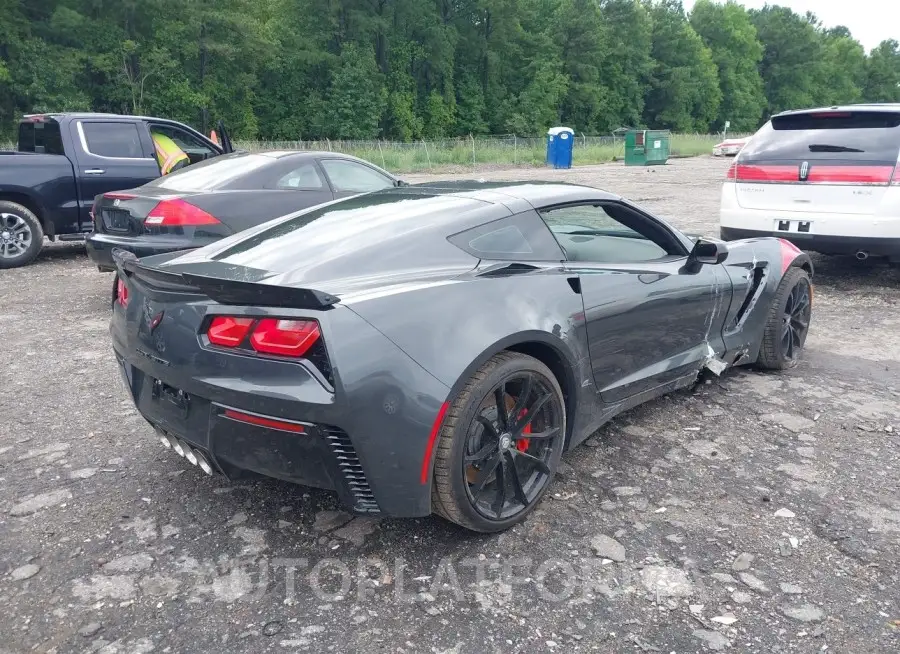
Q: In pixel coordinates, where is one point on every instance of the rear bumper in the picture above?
(310, 454)
(823, 243)
(366, 439)
(100, 247)
(877, 234)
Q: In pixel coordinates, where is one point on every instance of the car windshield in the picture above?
(212, 174)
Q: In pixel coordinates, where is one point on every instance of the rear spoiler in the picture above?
(224, 291)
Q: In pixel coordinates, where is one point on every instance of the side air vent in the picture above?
(752, 295)
(351, 468)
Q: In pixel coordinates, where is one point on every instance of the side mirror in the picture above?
(706, 252)
(398, 183)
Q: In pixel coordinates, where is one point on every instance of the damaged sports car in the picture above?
(435, 349)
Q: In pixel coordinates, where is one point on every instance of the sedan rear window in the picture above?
(846, 136)
(212, 173)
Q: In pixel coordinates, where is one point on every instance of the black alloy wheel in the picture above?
(500, 444)
(795, 322)
(787, 325)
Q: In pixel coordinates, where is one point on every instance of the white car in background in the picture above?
(729, 147)
(827, 180)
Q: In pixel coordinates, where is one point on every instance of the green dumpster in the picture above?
(646, 147)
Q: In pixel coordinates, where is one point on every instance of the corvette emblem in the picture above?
(804, 171)
(116, 202)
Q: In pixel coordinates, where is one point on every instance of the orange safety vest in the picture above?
(168, 154)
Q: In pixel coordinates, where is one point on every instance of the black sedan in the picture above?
(200, 204)
(436, 349)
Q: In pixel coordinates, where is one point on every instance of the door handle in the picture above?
(94, 171)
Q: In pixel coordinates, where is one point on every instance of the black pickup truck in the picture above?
(65, 160)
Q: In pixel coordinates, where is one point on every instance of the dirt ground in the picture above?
(759, 513)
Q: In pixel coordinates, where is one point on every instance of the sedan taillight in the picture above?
(277, 336)
(121, 292)
(178, 213)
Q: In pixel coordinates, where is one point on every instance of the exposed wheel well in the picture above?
(28, 203)
(547, 355)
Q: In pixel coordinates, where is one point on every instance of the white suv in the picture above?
(828, 180)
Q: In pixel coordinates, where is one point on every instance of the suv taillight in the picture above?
(178, 213)
(283, 337)
(732, 172)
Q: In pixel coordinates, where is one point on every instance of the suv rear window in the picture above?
(42, 136)
(847, 136)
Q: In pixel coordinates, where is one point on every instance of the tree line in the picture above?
(410, 69)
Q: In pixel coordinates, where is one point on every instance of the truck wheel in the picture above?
(21, 235)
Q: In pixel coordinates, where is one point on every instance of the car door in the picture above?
(114, 155)
(348, 177)
(649, 321)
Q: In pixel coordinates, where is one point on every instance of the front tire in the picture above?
(788, 322)
(500, 444)
(21, 235)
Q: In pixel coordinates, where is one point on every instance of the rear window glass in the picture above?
(107, 139)
(523, 237)
(40, 136)
(865, 136)
(212, 173)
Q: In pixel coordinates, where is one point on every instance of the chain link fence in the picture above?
(479, 151)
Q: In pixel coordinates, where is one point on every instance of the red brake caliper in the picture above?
(522, 443)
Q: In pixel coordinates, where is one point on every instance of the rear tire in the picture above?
(477, 435)
(21, 235)
(788, 322)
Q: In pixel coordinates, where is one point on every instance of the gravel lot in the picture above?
(759, 513)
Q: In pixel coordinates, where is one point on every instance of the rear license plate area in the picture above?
(174, 410)
(793, 226)
(116, 220)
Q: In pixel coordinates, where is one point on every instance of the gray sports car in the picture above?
(436, 348)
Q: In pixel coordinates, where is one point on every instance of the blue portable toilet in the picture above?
(560, 141)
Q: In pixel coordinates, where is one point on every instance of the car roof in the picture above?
(888, 107)
(532, 192)
(96, 114)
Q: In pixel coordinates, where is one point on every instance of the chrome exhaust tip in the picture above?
(862, 255)
(182, 449)
(202, 462)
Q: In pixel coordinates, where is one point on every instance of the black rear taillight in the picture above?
(281, 337)
(286, 338)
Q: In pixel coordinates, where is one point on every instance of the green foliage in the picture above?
(883, 73)
(731, 37)
(684, 87)
(356, 97)
(413, 69)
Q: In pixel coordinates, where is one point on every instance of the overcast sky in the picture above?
(870, 21)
